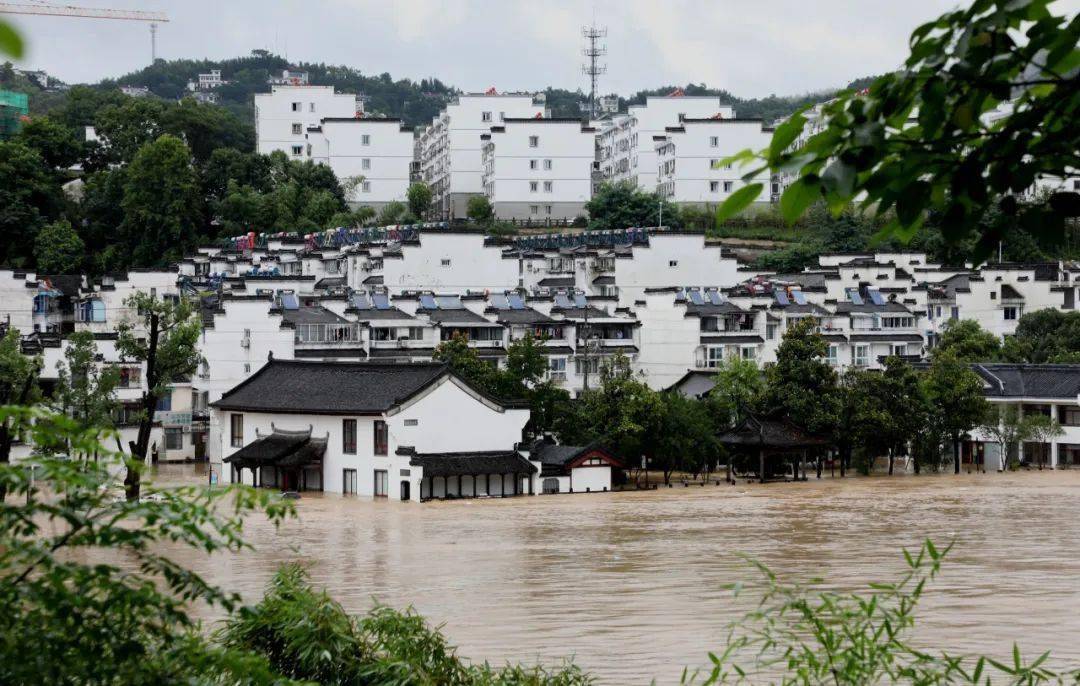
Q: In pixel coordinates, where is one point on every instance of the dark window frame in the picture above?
(381, 437)
(236, 438)
(348, 436)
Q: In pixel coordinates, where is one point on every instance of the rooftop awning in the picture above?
(771, 433)
(280, 449)
(458, 464)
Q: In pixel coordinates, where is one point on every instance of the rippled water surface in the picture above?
(631, 584)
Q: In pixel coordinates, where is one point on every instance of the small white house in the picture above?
(573, 468)
(399, 431)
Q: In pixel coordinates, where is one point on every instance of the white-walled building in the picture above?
(538, 169)
(450, 149)
(284, 115)
(370, 157)
(689, 155)
(626, 149)
(400, 431)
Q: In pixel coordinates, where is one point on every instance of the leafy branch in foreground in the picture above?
(86, 594)
(799, 636)
(985, 105)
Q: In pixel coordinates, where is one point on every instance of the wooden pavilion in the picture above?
(772, 438)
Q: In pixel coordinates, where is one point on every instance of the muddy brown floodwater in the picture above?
(631, 584)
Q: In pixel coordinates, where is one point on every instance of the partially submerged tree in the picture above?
(956, 399)
(739, 385)
(1043, 429)
(165, 339)
(1005, 426)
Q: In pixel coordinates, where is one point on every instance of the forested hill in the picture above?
(415, 102)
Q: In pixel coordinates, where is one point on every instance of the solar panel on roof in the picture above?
(361, 301)
(427, 302)
(695, 297)
(715, 298)
(516, 301)
(289, 301)
(449, 302)
(382, 301)
(875, 297)
(800, 297)
(680, 296)
(562, 301)
(499, 302)
(781, 297)
(580, 300)
(856, 299)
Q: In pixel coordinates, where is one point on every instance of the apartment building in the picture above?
(284, 115)
(626, 149)
(370, 157)
(689, 158)
(450, 150)
(538, 169)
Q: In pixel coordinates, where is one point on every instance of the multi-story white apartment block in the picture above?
(450, 149)
(538, 169)
(206, 82)
(370, 157)
(626, 150)
(284, 115)
(690, 155)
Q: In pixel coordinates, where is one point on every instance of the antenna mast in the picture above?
(593, 51)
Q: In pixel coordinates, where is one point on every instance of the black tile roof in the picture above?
(312, 315)
(771, 433)
(330, 387)
(376, 315)
(1010, 293)
(281, 448)
(732, 338)
(462, 316)
(321, 353)
(557, 282)
(891, 306)
(456, 464)
(1031, 380)
(330, 282)
(526, 316)
(884, 336)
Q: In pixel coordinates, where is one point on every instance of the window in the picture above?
(298, 150)
(1070, 416)
(236, 430)
(381, 481)
(348, 436)
(297, 129)
(416, 333)
(533, 164)
(547, 186)
(365, 139)
(412, 422)
(164, 404)
(770, 332)
(547, 165)
(297, 106)
(728, 185)
(365, 187)
(673, 263)
(365, 163)
(534, 186)
(445, 262)
(714, 356)
(381, 437)
(547, 210)
(557, 368)
(348, 481)
(833, 355)
(1011, 313)
(898, 349)
(130, 377)
(485, 116)
(748, 353)
(589, 365)
(714, 186)
(714, 164)
(311, 107)
(954, 313)
(174, 438)
(247, 367)
(714, 142)
(534, 209)
(534, 141)
(862, 355)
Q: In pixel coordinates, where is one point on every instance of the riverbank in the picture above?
(632, 584)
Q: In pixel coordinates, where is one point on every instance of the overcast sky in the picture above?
(750, 47)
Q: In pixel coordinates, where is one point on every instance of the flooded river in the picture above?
(631, 585)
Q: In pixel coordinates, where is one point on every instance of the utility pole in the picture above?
(593, 51)
(153, 43)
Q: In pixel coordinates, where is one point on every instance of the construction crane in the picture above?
(154, 18)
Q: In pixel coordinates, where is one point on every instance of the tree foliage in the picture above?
(968, 341)
(418, 198)
(1045, 336)
(932, 137)
(955, 394)
(479, 210)
(802, 385)
(58, 249)
(622, 205)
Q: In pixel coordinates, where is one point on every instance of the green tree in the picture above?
(18, 386)
(55, 142)
(479, 210)
(29, 197)
(165, 338)
(393, 212)
(955, 394)
(1043, 429)
(623, 205)
(86, 389)
(102, 211)
(738, 389)
(686, 438)
(464, 361)
(1045, 336)
(161, 204)
(968, 341)
(124, 128)
(58, 249)
(1004, 425)
(802, 386)
(891, 410)
(419, 199)
(935, 134)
